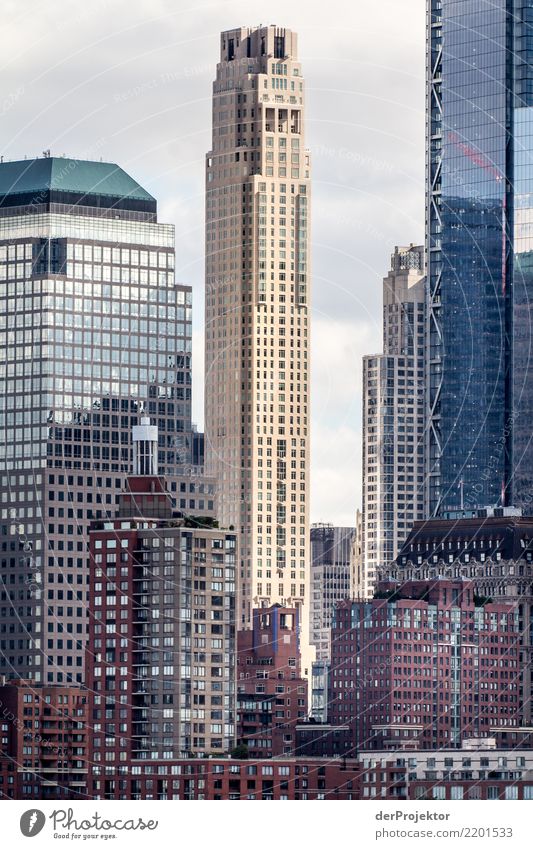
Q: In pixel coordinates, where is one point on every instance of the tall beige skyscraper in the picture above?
(257, 315)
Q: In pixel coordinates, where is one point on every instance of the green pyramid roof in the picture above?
(69, 175)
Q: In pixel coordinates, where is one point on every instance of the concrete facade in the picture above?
(257, 316)
(393, 419)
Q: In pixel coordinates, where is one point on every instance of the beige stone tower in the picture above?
(257, 315)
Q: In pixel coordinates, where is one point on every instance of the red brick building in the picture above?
(320, 740)
(223, 779)
(8, 777)
(43, 741)
(271, 694)
(425, 664)
(161, 655)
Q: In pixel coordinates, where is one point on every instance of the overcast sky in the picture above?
(130, 81)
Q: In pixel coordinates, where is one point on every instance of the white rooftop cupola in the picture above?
(145, 442)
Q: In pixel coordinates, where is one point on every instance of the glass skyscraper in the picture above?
(93, 332)
(480, 250)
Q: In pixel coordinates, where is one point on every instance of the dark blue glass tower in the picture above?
(480, 253)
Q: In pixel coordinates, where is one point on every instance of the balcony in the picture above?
(141, 699)
(139, 715)
(140, 658)
(140, 614)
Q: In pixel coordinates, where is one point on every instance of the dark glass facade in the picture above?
(479, 268)
(94, 332)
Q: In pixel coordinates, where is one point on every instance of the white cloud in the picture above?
(131, 82)
(336, 479)
(337, 347)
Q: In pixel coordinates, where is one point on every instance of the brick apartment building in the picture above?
(425, 664)
(225, 779)
(43, 751)
(161, 654)
(493, 547)
(271, 693)
(319, 739)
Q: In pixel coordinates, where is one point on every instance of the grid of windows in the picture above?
(257, 339)
(394, 419)
(164, 642)
(94, 332)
